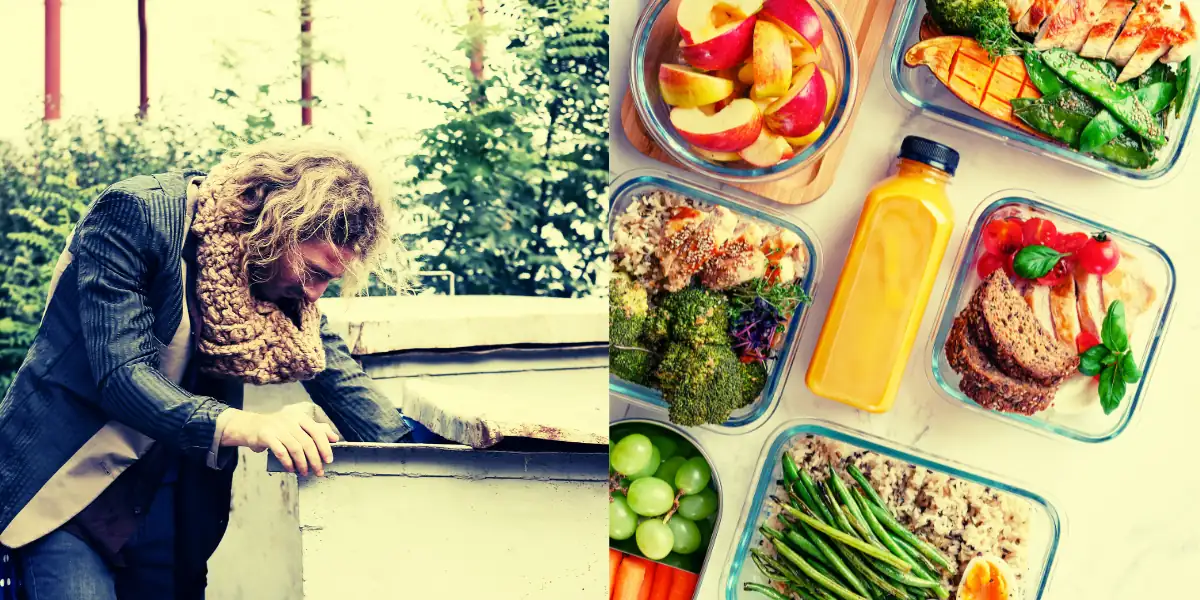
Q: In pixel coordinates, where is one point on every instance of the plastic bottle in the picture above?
(883, 290)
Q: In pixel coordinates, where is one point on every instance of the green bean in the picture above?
(794, 538)
(905, 579)
(765, 590)
(772, 573)
(791, 474)
(860, 525)
(799, 490)
(882, 534)
(866, 486)
(851, 506)
(812, 491)
(838, 515)
(921, 545)
(833, 559)
(829, 584)
(924, 565)
(859, 545)
(862, 568)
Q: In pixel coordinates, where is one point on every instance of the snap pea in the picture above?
(765, 590)
(866, 486)
(1126, 151)
(1157, 73)
(853, 542)
(791, 474)
(1046, 81)
(1062, 116)
(1105, 127)
(1182, 78)
(829, 584)
(1095, 83)
(921, 545)
(1110, 70)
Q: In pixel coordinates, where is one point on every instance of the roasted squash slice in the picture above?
(964, 67)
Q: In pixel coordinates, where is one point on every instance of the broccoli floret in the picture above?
(634, 366)
(628, 307)
(754, 379)
(985, 20)
(657, 328)
(697, 316)
(700, 384)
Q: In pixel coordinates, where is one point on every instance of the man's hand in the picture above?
(296, 440)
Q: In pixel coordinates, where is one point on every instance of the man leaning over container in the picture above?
(118, 435)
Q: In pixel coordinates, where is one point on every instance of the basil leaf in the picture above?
(1112, 389)
(1110, 358)
(1091, 361)
(1032, 262)
(1129, 369)
(1113, 332)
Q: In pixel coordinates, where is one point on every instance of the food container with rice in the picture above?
(1053, 320)
(709, 293)
(837, 513)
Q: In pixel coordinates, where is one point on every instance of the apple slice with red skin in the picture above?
(700, 20)
(796, 17)
(799, 143)
(728, 48)
(798, 112)
(716, 156)
(731, 129)
(687, 88)
(772, 60)
(803, 52)
(766, 151)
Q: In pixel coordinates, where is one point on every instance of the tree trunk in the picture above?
(478, 41)
(143, 70)
(53, 91)
(306, 60)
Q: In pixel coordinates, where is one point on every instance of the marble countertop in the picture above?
(1130, 531)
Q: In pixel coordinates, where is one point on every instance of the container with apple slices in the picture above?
(1053, 319)
(743, 90)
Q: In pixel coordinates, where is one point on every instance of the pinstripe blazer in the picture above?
(93, 393)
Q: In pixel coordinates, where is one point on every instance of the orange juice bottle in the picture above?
(881, 295)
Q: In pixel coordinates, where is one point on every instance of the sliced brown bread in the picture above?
(984, 383)
(1007, 330)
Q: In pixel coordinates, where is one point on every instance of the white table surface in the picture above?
(1131, 528)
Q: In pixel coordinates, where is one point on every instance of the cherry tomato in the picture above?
(1099, 255)
(988, 263)
(1038, 231)
(1085, 341)
(1057, 275)
(1008, 265)
(1070, 243)
(1002, 237)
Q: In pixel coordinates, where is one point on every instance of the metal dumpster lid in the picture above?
(483, 417)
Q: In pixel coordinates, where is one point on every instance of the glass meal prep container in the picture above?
(629, 546)
(656, 41)
(643, 181)
(1069, 416)
(1045, 523)
(918, 87)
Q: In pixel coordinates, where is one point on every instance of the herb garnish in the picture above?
(1034, 261)
(1111, 359)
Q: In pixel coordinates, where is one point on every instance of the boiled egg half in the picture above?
(987, 578)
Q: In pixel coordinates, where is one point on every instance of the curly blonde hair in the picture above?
(299, 189)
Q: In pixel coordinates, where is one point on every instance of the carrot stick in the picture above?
(630, 575)
(614, 561)
(648, 582)
(683, 585)
(664, 576)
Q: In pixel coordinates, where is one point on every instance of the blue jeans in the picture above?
(61, 566)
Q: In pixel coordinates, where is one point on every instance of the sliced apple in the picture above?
(687, 88)
(772, 60)
(799, 143)
(717, 156)
(798, 112)
(746, 73)
(803, 52)
(767, 150)
(701, 20)
(729, 46)
(763, 104)
(830, 91)
(731, 129)
(796, 17)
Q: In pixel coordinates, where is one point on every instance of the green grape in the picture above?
(655, 539)
(667, 445)
(621, 519)
(651, 466)
(668, 468)
(687, 534)
(631, 454)
(650, 496)
(693, 476)
(698, 507)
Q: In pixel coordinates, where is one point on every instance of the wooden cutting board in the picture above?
(868, 21)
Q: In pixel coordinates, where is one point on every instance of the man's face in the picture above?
(305, 279)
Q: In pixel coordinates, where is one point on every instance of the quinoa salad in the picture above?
(962, 519)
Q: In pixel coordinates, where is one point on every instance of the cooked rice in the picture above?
(637, 231)
(960, 518)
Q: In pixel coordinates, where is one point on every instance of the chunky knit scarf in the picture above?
(243, 337)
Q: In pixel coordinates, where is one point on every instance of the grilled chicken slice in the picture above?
(1104, 31)
(1065, 312)
(1143, 16)
(1125, 283)
(1017, 9)
(1089, 302)
(781, 249)
(690, 239)
(1155, 44)
(738, 261)
(1068, 27)
(1038, 12)
(1185, 44)
(1038, 298)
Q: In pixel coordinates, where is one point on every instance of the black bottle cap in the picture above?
(929, 152)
